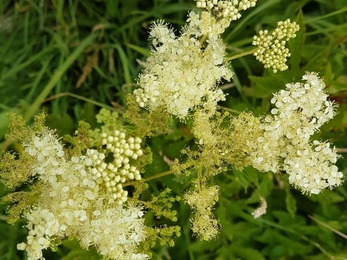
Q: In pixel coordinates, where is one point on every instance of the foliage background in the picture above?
(72, 57)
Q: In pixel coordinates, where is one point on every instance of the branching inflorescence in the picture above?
(80, 192)
(180, 71)
(283, 140)
(82, 196)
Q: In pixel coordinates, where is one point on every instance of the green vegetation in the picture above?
(72, 58)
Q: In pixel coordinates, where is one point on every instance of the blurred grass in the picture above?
(71, 57)
(79, 47)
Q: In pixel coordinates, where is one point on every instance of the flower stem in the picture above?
(203, 38)
(81, 98)
(162, 174)
(230, 110)
(240, 55)
(159, 175)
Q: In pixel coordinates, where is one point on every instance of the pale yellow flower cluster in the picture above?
(76, 202)
(300, 110)
(182, 73)
(204, 224)
(226, 9)
(271, 49)
(206, 24)
(43, 226)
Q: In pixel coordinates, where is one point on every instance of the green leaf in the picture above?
(77, 252)
(81, 254)
(290, 202)
(241, 178)
(252, 175)
(344, 119)
(3, 124)
(317, 59)
(264, 86)
(296, 44)
(266, 186)
(328, 197)
(125, 63)
(247, 253)
(144, 51)
(62, 123)
(88, 114)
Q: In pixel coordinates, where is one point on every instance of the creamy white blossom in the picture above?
(43, 226)
(82, 197)
(300, 110)
(226, 9)
(182, 73)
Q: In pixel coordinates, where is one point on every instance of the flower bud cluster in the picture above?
(119, 170)
(225, 9)
(271, 49)
(182, 73)
(285, 145)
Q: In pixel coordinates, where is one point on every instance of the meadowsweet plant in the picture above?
(77, 187)
(186, 69)
(78, 196)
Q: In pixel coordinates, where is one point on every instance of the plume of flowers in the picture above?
(182, 72)
(82, 197)
(285, 145)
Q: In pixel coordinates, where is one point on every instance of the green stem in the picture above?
(230, 110)
(199, 178)
(203, 38)
(314, 243)
(162, 174)
(341, 150)
(242, 54)
(328, 227)
(3, 218)
(81, 98)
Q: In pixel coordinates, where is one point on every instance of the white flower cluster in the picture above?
(182, 73)
(226, 9)
(46, 155)
(116, 228)
(206, 24)
(74, 203)
(43, 226)
(112, 174)
(312, 167)
(300, 111)
(271, 49)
